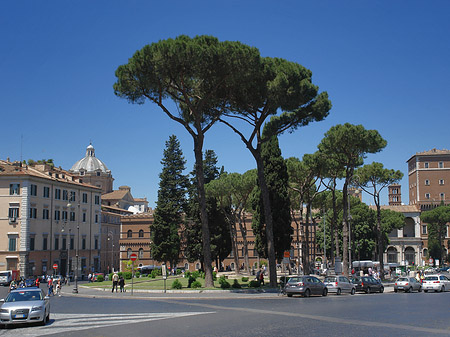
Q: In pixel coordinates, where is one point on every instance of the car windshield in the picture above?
(330, 279)
(19, 296)
(431, 278)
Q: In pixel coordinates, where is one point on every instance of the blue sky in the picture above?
(384, 64)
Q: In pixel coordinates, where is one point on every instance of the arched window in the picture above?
(130, 234)
(410, 255)
(392, 255)
(129, 252)
(141, 253)
(197, 266)
(186, 266)
(141, 233)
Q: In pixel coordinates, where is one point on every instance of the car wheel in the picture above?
(409, 290)
(353, 291)
(368, 290)
(395, 290)
(425, 291)
(338, 291)
(307, 293)
(44, 320)
(381, 290)
(442, 289)
(325, 292)
(289, 295)
(47, 319)
(420, 289)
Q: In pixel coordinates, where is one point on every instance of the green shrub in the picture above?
(126, 275)
(214, 276)
(137, 274)
(254, 284)
(176, 284)
(195, 274)
(187, 273)
(224, 284)
(153, 273)
(244, 279)
(196, 284)
(190, 281)
(179, 271)
(100, 278)
(236, 284)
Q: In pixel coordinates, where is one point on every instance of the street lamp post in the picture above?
(68, 257)
(110, 238)
(75, 290)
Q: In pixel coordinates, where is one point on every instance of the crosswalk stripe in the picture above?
(61, 323)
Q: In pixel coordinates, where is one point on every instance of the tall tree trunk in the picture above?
(335, 216)
(207, 261)
(345, 231)
(243, 228)
(268, 219)
(380, 237)
(233, 233)
(305, 248)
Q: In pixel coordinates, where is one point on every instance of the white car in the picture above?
(436, 282)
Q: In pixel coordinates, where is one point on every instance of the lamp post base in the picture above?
(75, 290)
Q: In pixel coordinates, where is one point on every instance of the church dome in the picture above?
(89, 163)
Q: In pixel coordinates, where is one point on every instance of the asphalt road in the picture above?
(106, 314)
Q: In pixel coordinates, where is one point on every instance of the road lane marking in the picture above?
(61, 323)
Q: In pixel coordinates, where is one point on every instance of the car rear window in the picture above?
(403, 279)
(330, 279)
(294, 280)
(431, 278)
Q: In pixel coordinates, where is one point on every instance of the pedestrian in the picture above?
(261, 277)
(115, 280)
(58, 288)
(90, 278)
(258, 273)
(122, 284)
(50, 287)
(37, 282)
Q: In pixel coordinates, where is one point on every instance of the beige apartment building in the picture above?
(47, 216)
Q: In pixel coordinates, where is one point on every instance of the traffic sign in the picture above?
(430, 260)
(133, 257)
(55, 266)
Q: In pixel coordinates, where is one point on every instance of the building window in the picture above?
(64, 215)
(32, 243)
(85, 198)
(57, 194)
(83, 243)
(426, 165)
(442, 195)
(427, 195)
(72, 196)
(64, 244)
(98, 174)
(13, 213)
(44, 243)
(12, 244)
(427, 182)
(65, 195)
(424, 229)
(72, 216)
(57, 215)
(14, 189)
(45, 214)
(141, 233)
(129, 252)
(441, 164)
(97, 200)
(56, 243)
(46, 193)
(33, 190)
(96, 243)
(141, 253)
(395, 199)
(72, 242)
(84, 216)
(441, 181)
(129, 234)
(33, 213)
(96, 218)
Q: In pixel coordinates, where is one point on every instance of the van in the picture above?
(7, 276)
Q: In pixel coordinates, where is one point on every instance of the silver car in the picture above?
(25, 305)
(305, 286)
(339, 284)
(407, 284)
(436, 283)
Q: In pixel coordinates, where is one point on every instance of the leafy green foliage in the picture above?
(254, 284)
(224, 284)
(277, 180)
(165, 241)
(244, 279)
(236, 284)
(196, 284)
(100, 278)
(436, 220)
(176, 284)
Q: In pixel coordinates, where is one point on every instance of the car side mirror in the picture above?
(46, 298)
(2, 300)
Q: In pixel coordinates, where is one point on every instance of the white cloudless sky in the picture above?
(384, 64)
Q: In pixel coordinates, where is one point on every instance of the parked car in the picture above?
(367, 284)
(25, 305)
(305, 286)
(407, 284)
(339, 284)
(436, 282)
(30, 282)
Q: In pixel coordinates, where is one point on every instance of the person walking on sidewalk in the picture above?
(115, 280)
(122, 284)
